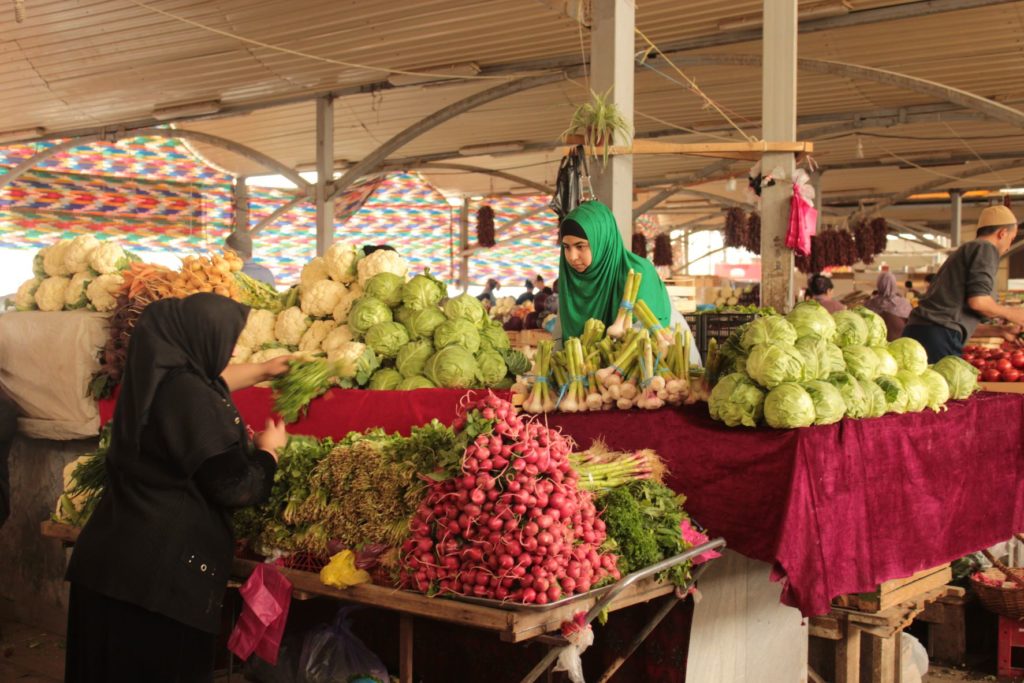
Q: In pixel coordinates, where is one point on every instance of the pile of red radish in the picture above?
(513, 526)
(1005, 364)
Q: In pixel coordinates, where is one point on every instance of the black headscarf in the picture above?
(195, 335)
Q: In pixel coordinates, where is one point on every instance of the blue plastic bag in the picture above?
(333, 654)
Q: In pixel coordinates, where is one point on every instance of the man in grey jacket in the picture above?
(963, 293)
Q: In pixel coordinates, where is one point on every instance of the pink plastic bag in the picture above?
(803, 219)
(267, 595)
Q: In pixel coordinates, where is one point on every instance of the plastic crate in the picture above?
(718, 326)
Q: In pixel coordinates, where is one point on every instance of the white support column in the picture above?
(956, 206)
(464, 245)
(612, 45)
(778, 105)
(240, 205)
(324, 173)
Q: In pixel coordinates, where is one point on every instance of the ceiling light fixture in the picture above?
(21, 134)
(492, 148)
(819, 10)
(177, 111)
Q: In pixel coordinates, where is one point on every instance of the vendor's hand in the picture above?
(1011, 333)
(275, 367)
(273, 437)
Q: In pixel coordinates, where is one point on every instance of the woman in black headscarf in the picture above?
(149, 571)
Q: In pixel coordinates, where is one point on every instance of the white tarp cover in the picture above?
(46, 363)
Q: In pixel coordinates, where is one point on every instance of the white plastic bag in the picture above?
(913, 659)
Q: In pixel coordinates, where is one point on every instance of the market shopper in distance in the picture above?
(892, 306)
(819, 288)
(592, 272)
(963, 292)
(150, 568)
(241, 244)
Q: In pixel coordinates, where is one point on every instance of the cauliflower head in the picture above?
(346, 356)
(291, 324)
(258, 330)
(108, 257)
(50, 294)
(241, 354)
(345, 302)
(381, 261)
(25, 299)
(102, 291)
(313, 272)
(341, 260)
(39, 262)
(75, 296)
(320, 299)
(53, 260)
(263, 355)
(314, 337)
(76, 258)
(335, 338)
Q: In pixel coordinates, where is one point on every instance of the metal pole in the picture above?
(956, 217)
(324, 173)
(778, 104)
(240, 205)
(464, 245)
(612, 44)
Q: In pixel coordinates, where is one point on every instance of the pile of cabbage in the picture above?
(812, 368)
(383, 330)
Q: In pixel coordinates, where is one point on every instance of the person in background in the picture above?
(538, 283)
(551, 303)
(963, 293)
(241, 244)
(820, 288)
(909, 286)
(527, 295)
(928, 280)
(487, 296)
(149, 571)
(888, 303)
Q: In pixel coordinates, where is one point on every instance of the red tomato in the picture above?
(1018, 360)
(1011, 375)
(979, 363)
(968, 357)
(991, 375)
(1004, 364)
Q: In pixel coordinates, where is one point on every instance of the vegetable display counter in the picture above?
(834, 509)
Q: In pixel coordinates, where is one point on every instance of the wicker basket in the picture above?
(1007, 600)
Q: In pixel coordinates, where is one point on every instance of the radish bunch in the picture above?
(513, 525)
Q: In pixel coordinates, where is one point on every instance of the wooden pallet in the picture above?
(896, 591)
(1002, 387)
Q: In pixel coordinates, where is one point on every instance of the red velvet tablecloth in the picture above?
(835, 509)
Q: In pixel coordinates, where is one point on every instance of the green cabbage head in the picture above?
(387, 339)
(493, 337)
(857, 402)
(851, 330)
(829, 406)
(366, 312)
(788, 406)
(896, 398)
(465, 307)
(960, 376)
(938, 390)
(413, 357)
(772, 364)
(917, 391)
(416, 382)
(387, 287)
(877, 332)
(457, 332)
(736, 400)
(767, 330)
(817, 361)
(453, 367)
(423, 291)
(886, 363)
(861, 362)
(385, 379)
(909, 355)
(811, 319)
(424, 323)
(876, 404)
(493, 370)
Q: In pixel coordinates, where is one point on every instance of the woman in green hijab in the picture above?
(592, 273)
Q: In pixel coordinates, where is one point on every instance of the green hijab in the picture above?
(597, 291)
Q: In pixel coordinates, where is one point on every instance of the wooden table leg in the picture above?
(405, 648)
(883, 659)
(848, 655)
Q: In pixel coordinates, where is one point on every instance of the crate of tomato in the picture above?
(997, 365)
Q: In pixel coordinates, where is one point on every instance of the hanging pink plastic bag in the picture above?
(803, 217)
(267, 595)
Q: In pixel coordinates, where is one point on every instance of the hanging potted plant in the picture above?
(597, 122)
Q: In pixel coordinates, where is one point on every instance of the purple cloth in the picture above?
(831, 305)
(887, 298)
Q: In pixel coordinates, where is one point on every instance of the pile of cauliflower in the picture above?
(76, 273)
(317, 327)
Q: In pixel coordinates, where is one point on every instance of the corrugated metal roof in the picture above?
(95, 63)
